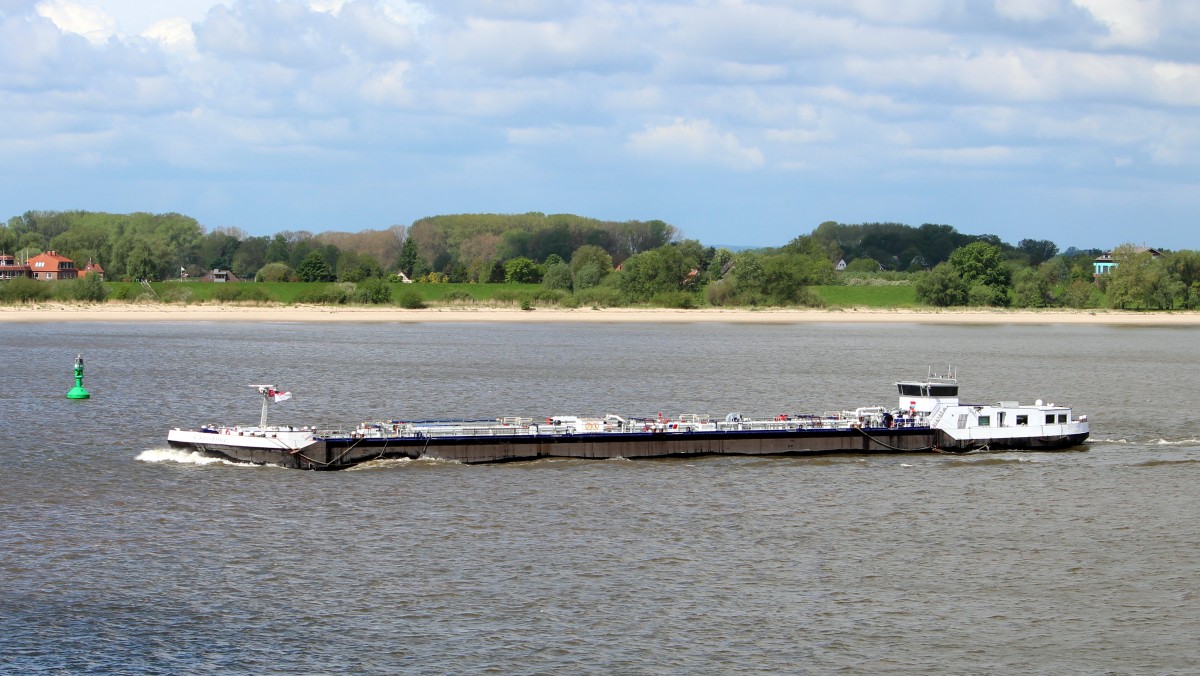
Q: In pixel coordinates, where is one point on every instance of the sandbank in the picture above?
(151, 312)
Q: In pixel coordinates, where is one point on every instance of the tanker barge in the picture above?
(927, 418)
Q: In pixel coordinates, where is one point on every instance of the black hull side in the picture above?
(339, 453)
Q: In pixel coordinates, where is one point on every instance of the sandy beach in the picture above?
(136, 312)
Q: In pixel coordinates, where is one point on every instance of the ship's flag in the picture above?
(278, 396)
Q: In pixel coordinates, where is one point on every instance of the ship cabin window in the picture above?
(985, 421)
(1062, 417)
(1049, 418)
(1022, 420)
(917, 390)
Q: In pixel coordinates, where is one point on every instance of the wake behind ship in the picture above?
(928, 418)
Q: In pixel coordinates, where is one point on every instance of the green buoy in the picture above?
(78, 392)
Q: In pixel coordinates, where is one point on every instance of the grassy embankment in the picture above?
(868, 296)
(504, 294)
(297, 292)
(892, 296)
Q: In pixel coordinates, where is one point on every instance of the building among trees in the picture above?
(1104, 262)
(219, 276)
(47, 265)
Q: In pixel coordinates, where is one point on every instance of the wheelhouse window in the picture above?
(943, 390)
(1022, 421)
(1062, 417)
(985, 421)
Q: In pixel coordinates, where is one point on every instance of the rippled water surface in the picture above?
(119, 555)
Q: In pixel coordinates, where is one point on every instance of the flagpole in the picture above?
(265, 391)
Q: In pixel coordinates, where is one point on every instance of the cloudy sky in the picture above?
(738, 121)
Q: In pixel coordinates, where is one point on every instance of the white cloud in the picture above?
(175, 33)
(1027, 10)
(72, 17)
(862, 90)
(978, 157)
(688, 141)
(601, 43)
(1130, 23)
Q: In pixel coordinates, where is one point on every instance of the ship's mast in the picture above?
(265, 391)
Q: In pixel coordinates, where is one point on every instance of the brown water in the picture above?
(119, 555)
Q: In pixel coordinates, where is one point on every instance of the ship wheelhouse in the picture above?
(920, 397)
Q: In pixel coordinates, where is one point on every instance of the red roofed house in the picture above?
(93, 268)
(50, 265)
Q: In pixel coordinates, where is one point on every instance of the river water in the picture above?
(118, 555)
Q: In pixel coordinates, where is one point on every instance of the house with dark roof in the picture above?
(219, 276)
(1104, 262)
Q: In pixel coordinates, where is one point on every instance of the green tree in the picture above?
(1141, 279)
(355, 268)
(522, 270)
(275, 272)
(409, 257)
(279, 251)
(315, 269)
(981, 263)
(216, 250)
(589, 254)
(590, 264)
(860, 265)
(652, 272)
(1030, 288)
(558, 276)
(1079, 294)
(942, 286)
(721, 261)
(1038, 250)
(251, 255)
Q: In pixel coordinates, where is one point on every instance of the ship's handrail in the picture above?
(684, 425)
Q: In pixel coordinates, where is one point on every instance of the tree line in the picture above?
(606, 262)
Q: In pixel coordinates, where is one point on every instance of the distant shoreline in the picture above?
(139, 312)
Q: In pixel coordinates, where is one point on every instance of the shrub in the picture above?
(332, 294)
(128, 292)
(681, 300)
(373, 291)
(720, 293)
(808, 298)
(24, 290)
(507, 296)
(244, 292)
(551, 296)
(410, 299)
(458, 296)
(178, 293)
(275, 272)
(600, 296)
(88, 288)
